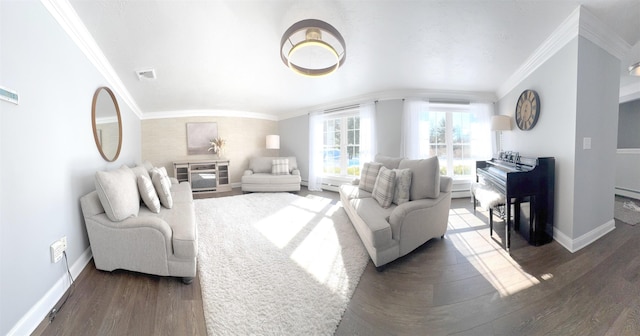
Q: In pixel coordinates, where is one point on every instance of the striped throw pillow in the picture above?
(280, 167)
(368, 175)
(385, 187)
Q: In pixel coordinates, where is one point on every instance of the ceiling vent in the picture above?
(146, 74)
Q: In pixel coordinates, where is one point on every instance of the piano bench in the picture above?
(488, 197)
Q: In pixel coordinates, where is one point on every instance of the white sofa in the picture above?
(263, 175)
(153, 239)
(390, 233)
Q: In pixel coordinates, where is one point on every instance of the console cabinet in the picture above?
(205, 176)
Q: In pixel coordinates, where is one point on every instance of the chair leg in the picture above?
(490, 222)
(187, 280)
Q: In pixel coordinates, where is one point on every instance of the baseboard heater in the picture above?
(627, 192)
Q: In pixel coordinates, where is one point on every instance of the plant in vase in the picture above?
(217, 146)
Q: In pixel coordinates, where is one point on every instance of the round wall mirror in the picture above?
(107, 124)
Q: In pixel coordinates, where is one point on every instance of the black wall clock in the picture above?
(527, 110)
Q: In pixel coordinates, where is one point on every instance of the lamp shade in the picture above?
(500, 123)
(273, 142)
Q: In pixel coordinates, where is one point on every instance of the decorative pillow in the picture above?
(140, 170)
(280, 167)
(387, 161)
(403, 186)
(368, 175)
(162, 184)
(148, 193)
(384, 187)
(118, 193)
(425, 177)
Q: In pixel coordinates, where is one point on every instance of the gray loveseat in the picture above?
(271, 174)
(153, 239)
(390, 233)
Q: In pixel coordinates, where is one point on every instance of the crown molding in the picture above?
(208, 113)
(68, 19)
(566, 32)
(630, 92)
(597, 32)
(471, 96)
(580, 22)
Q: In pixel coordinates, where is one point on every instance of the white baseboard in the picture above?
(30, 321)
(573, 245)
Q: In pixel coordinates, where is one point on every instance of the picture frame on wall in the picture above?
(199, 137)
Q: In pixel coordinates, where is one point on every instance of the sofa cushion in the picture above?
(118, 193)
(351, 191)
(162, 183)
(374, 216)
(141, 170)
(403, 186)
(384, 187)
(264, 164)
(368, 175)
(425, 177)
(148, 193)
(388, 161)
(269, 178)
(280, 167)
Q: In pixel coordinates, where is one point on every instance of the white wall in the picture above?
(48, 158)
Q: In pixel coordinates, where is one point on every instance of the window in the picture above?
(341, 146)
(457, 134)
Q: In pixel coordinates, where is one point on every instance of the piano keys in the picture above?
(528, 186)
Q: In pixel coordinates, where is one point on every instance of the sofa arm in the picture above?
(446, 183)
(295, 171)
(408, 217)
(247, 172)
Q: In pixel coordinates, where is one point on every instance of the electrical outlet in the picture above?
(57, 248)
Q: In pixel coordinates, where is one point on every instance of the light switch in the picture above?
(586, 143)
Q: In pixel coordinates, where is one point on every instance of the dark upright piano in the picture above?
(527, 183)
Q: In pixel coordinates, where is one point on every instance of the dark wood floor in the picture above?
(464, 284)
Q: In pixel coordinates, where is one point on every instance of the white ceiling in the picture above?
(224, 55)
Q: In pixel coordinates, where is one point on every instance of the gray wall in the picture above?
(294, 141)
(629, 125)
(554, 133)
(597, 118)
(578, 88)
(48, 155)
(389, 127)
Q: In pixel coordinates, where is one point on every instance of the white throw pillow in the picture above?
(280, 167)
(384, 187)
(118, 193)
(162, 184)
(148, 193)
(403, 186)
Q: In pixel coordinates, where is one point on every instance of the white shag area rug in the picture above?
(276, 264)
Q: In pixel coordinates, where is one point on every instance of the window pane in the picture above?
(341, 148)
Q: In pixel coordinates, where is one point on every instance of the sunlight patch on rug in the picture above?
(276, 263)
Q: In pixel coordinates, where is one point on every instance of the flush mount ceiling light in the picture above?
(634, 70)
(312, 48)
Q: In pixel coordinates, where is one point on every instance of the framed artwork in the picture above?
(199, 136)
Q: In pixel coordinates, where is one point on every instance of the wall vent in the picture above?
(146, 74)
